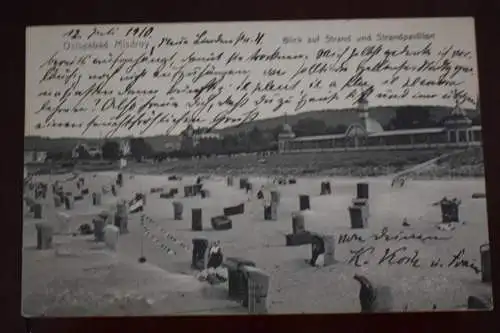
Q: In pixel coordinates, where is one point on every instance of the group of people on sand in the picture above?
(399, 181)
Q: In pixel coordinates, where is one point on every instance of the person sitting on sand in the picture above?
(214, 259)
(215, 256)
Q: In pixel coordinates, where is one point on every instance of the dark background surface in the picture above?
(487, 14)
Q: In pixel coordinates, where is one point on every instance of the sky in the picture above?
(43, 42)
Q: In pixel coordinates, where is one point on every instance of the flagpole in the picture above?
(142, 237)
(142, 258)
(101, 144)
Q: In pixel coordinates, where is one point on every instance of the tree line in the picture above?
(255, 139)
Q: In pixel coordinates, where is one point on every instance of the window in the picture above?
(421, 138)
(462, 136)
(453, 136)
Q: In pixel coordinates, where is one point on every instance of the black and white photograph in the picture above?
(265, 167)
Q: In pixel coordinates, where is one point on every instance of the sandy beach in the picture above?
(295, 287)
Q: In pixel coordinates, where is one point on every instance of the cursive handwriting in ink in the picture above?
(99, 32)
(73, 34)
(401, 236)
(399, 257)
(138, 32)
(225, 77)
(458, 260)
(348, 238)
(357, 256)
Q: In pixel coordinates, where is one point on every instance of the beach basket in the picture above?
(358, 216)
(196, 219)
(98, 229)
(200, 246)
(178, 209)
(37, 211)
(57, 201)
(484, 250)
(298, 223)
(258, 287)
(243, 183)
(325, 188)
(304, 203)
(96, 199)
(275, 197)
(44, 236)
(188, 191)
(68, 202)
(237, 279)
(362, 191)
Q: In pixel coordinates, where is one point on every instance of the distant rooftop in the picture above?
(380, 134)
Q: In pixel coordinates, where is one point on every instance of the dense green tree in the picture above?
(82, 153)
(309, 127)
(408, 117)
(339, 129)
(256, 138)
(111, 150)
(140, 149)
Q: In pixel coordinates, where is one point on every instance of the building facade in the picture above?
(368, 134)
(172, 146)
(94, 152)
(34, 156)
(191, 138)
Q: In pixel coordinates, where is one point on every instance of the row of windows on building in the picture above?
(341, 141)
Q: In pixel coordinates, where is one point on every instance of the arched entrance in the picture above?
(355, 135)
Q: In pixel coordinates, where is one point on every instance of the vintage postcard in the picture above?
(280, 167)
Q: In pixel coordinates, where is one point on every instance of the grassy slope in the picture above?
(330, 117)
